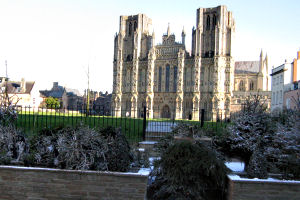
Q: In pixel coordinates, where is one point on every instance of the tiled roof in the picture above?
(72, 92)
(52, 93)
(242, 67)
(15, 87)
(58, 92)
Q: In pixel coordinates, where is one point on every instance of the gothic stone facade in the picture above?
(173, 83)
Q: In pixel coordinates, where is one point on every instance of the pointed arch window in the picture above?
(185, 78)
(167, 83)
(175, 79)
(208, 23)
(129, 28)
(205, 106)
(135, 26)
(214, 21)
(159, 78)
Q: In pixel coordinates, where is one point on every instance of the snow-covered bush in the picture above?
(188, 170)
(118, 154)
(81, 148)
(140, 158)
(8, 112)
(265, 142)
(43, 148)
(13, 145)
(164, 143)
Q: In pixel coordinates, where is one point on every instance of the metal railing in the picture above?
(136, 125)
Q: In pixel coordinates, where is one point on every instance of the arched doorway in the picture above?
(165, 112)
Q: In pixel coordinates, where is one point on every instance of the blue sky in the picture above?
(55, 40)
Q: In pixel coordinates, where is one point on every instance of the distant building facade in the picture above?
(21, 93)
(103, 102)
(292, 90)
(292, 97)
(70, 99)
(281, 76)
(173, 83)
(99, 102)
(284, 87)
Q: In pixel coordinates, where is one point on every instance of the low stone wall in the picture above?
(43, 183)
(249, 189)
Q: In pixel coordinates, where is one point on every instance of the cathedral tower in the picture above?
(132, 45)
(212, 46)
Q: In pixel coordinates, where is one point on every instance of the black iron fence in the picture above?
(137, 125)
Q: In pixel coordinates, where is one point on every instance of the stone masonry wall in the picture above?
(249, 190)
(39, 183)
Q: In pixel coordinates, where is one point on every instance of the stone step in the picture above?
(148, 146)
(161, 134)
(153, 138)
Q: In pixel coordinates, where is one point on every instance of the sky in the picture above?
(50, 41)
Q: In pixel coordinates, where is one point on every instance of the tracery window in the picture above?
(175, 79)
(167, 83)
(185, 79)
(159, 79)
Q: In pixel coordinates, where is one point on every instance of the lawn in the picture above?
(33, 122)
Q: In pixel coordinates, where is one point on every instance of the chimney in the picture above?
(55, 85)
(298, 55)
(295, 69)
(23, 85)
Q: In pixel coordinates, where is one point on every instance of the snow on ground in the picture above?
(235, 166)
(144, 171)
(160, 127)
(148, 142)
(235, 177)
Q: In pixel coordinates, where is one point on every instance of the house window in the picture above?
(167, 78)
(280, 101)
(241, 86)
(251, 85)
(288, 103)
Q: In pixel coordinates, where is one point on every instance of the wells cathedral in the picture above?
(173, 83)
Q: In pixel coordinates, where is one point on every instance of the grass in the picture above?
(33, 122)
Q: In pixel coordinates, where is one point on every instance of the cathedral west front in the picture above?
(173, 83)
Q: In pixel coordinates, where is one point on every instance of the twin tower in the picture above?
(168, 80)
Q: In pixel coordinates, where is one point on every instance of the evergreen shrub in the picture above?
(188, 170)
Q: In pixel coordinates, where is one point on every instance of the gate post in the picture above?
(144, 124)
(202, 117)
